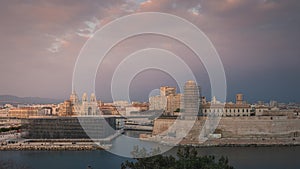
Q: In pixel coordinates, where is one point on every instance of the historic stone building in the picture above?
(75, 107)
(215, 108)
(168, 100)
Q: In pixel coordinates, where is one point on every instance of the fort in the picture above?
(234, 131)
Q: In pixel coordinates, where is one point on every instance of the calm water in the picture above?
(239, 157)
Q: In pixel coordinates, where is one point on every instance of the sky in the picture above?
(257, 40)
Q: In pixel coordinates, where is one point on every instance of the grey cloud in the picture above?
(252, 36)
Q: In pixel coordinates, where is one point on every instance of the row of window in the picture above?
(226, 110)
(228, 115)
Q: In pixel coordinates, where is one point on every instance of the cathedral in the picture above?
(85, 107)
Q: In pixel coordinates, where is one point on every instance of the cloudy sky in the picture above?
(258, 42)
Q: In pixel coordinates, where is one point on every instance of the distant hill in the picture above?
(15, 100)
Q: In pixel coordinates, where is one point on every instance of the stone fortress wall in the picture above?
(274, 126)
(242, 127)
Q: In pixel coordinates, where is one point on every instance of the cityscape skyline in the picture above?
(48, 100)
(22, 101)
(149, 84)
(257, 42)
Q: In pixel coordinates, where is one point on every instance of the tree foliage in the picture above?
(186, 158)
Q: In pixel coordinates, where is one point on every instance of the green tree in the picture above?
(187, 158)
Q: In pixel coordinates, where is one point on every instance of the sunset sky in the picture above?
(258, 42)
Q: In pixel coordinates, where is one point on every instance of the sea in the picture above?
(239, 158)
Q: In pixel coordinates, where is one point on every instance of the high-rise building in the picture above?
(169, 100)
(191, 99)
(166, 91)
(173, 103)
(158, 103)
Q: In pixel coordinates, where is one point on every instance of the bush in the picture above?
(187, 158)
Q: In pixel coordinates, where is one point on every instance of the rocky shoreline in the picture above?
(96, 147)
(246, 142)
(244, 145)
(50, 148)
